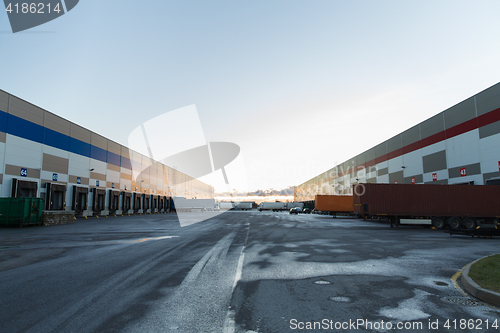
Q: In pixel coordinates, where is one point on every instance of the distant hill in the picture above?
(260, 193)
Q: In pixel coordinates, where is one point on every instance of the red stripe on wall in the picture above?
(467, 126)
(462, 128)
(412, 147)
(488, 118)
(430, 140)
(395, 153)
(381, 159)
(370, 163)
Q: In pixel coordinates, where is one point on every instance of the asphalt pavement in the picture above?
(238, 272)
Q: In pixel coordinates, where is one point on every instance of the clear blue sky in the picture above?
(299, 85)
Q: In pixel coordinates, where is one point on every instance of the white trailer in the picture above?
(244, 206)
(182, 204)
(226, 205)
(274, 206)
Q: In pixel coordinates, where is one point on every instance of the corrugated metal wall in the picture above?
(458, 145)
(39, 146)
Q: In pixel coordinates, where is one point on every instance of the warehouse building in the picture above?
(75, 169)
(460, 145)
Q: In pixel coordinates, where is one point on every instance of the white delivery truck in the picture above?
(226, 205)
(186, 205)
(244, 206)
(274, 206)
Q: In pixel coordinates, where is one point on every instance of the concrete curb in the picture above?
(477, 291)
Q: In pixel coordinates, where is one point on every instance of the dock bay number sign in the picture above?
(24, 14)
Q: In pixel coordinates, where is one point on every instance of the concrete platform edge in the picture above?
(477, 291)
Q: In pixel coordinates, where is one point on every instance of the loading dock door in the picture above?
(126, 201)
(24, 189)
(137, 202)
(80, 199)
(145, 200)
(55, 196)
(113, 200)
(57, 200)
(171, 204)
(98, 200)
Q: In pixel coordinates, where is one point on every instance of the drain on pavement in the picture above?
(462, 301)
(439, 283)
(340, 299)
(322, 282)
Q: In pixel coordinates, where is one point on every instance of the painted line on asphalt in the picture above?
(454, 279)
(230, 323)
(152, 238)
(485, 302)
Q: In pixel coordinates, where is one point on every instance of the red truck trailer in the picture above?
(459, 206)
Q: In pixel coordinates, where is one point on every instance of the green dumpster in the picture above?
(20, 211)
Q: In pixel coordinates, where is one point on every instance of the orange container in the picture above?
(333, 203)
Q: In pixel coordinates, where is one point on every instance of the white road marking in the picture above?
(229, 323)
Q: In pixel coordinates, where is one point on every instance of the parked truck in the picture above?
(226, 205)
(183, 205)
(274, 206)
(243, 206)
(333, 204)
(458, 206)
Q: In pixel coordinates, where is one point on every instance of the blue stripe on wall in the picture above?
(79, 147)
(98, 153)
(3, 121)
(125, 163)
(56, 139)
(27, 130)
(113, 158)
(24, 129)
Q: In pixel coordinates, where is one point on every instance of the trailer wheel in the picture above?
(455, 223)
(438, 223)
(470, 223)
(394, 221)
